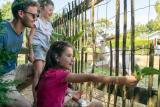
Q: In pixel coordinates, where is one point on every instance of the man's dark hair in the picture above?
(21, 5)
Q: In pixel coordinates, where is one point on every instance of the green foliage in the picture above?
(4, 85)
(140, 28)
(101, 71)
(1, 16)
(6, 11)
(153, 26)
(157, 7)
(145, 71)
(139, 43)
(6, 55)
(72, 40)
(103, 23)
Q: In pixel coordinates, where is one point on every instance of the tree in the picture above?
(157, 7)
(6, 11)
(154, 25)
(103, 25)
(141, 28)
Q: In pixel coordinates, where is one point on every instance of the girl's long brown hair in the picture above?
(56, 49)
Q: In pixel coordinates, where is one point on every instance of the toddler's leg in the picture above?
(38, 67)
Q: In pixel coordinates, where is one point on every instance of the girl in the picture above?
(55, 77)
(39, 38)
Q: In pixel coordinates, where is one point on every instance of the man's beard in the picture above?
(25, 22)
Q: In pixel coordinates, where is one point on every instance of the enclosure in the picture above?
(110, 42)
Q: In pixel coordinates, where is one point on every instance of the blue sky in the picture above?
(58, 3)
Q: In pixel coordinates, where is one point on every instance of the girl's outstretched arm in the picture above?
(130, 81)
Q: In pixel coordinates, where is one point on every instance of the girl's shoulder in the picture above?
(55, 74)
(59, 73)
(55, 71)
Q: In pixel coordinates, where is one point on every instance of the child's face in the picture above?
(47, 11)
(66, 60)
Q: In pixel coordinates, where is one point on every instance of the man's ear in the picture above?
(41, 9)
(20, 13)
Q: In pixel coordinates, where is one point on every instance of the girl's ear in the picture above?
(57, 58)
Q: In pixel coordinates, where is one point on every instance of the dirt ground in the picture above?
(27, 93)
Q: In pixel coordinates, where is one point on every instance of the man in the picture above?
(11, 39)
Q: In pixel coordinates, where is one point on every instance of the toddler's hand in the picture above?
(76, 95)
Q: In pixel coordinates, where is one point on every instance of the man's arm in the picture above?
(1, 39)
(1, 42)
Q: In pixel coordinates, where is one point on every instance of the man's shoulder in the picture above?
(4, 24)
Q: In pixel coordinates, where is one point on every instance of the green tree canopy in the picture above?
(6, 11)
(154, 25)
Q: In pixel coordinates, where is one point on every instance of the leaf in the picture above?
(137, 75)
(70, 39)
(149, 71)
(78, 36)
(76, 53)
(56, 36)
(137, 68)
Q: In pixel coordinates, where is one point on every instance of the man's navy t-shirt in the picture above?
(12, 42)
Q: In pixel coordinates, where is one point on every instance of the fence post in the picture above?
(111, 65)
(150, 82)
(117, 48)
(158, 101)
(132, 45)
(93, 39)
(86, 41)
(124, 52)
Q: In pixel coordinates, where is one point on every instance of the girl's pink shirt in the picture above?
(52, 88)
